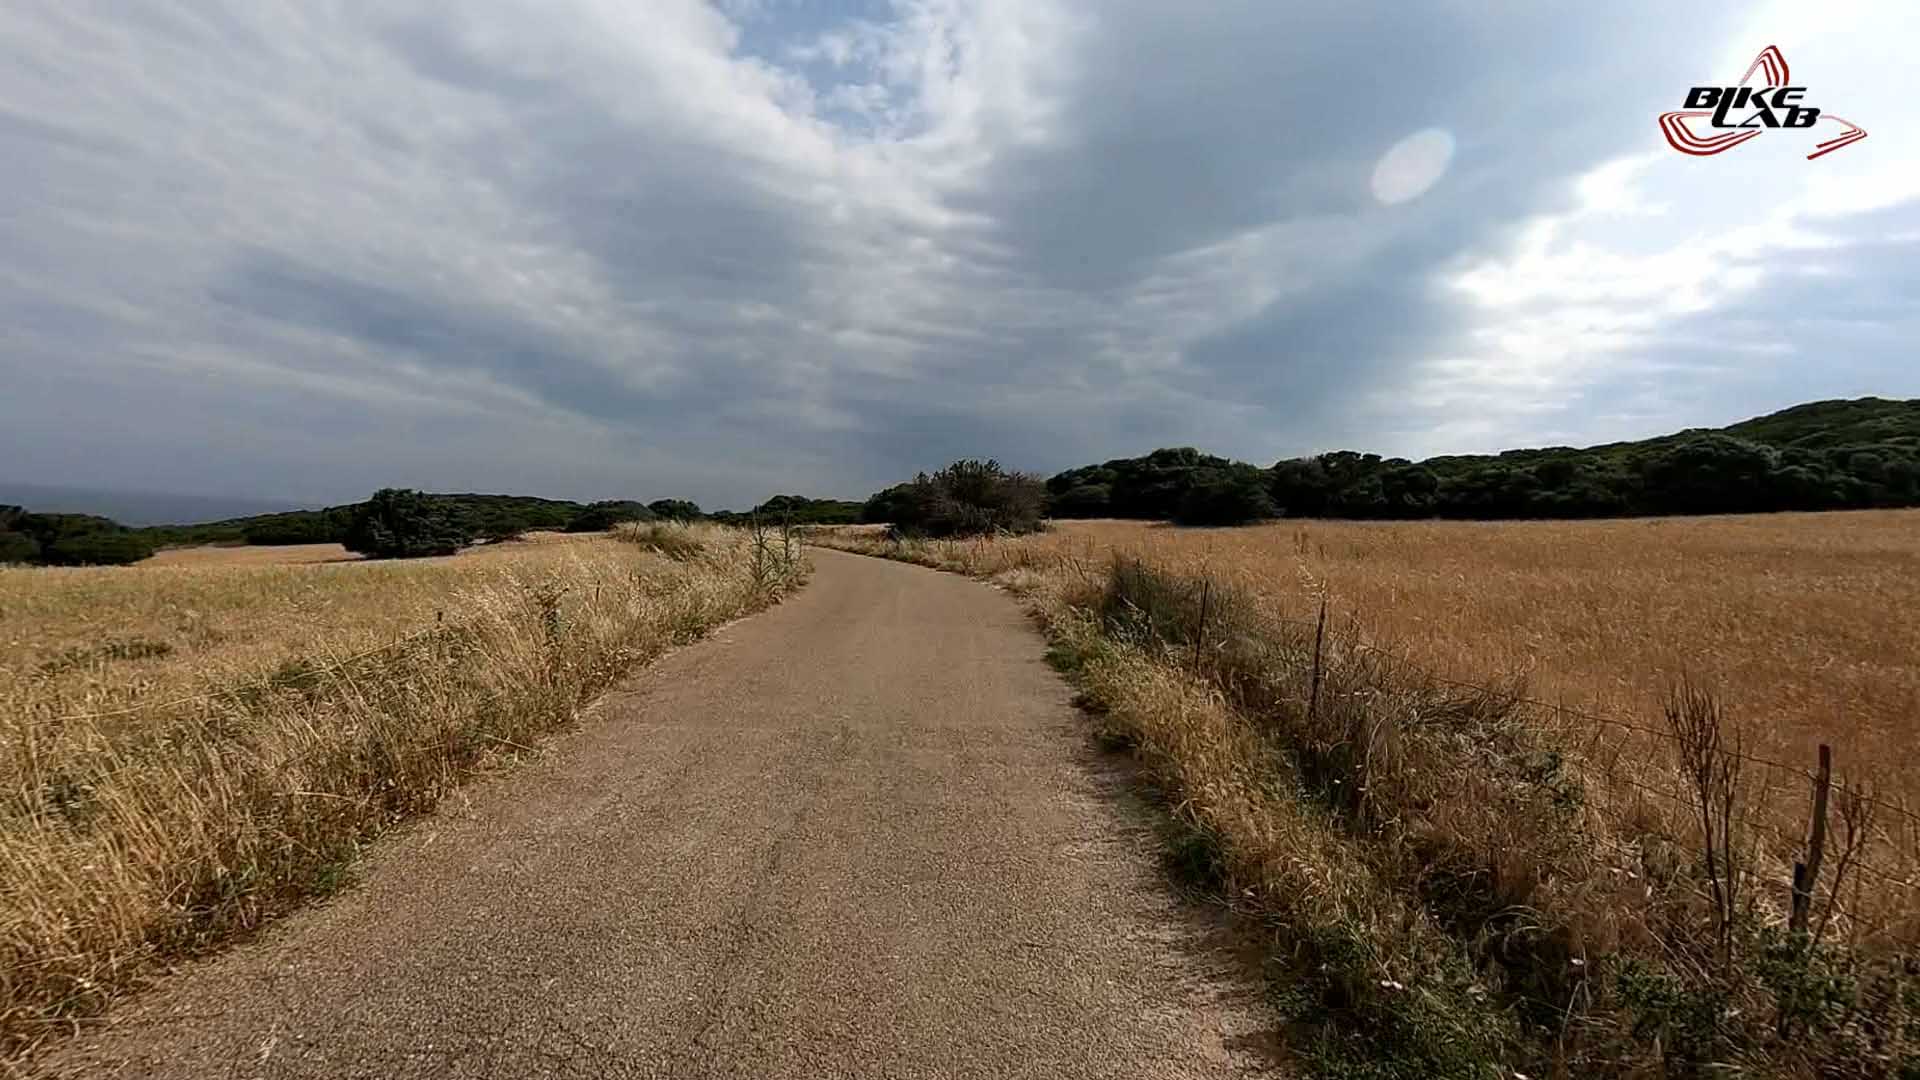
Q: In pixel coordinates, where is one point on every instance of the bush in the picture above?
(800, 510)
(885, 507)
(69, 540)
(1081, 501)
(675, 509)
(675, 541)
(602, 516)
(1225, 497)
(967, 498)
(297, 527)
(18, 548)
(399, 523)
(100, 547)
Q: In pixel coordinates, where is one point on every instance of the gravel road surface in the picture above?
(863, 834)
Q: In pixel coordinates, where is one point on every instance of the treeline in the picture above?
(1823, 456)
(394, 523)
(399, 523)
(69, 540)
(474, 517)
(795, 510)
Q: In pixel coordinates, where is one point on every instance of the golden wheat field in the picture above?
(317, 554)
(1807, 626)
(192, 744)
(189, 618)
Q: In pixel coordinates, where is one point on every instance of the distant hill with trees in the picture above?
(795, 510)
(68, 540)
(395, 522)
(479, 516)
(601, 516)
(1827, 455)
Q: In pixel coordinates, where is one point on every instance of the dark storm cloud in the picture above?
(589, 248)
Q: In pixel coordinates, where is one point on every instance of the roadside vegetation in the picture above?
(1523, 798)
(967, 498)
(190, 750)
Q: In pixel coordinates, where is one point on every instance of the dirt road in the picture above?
(863, 834)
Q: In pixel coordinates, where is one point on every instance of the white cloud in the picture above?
(607, 248)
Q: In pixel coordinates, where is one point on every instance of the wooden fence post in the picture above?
(1806, 876)
(1319, 642)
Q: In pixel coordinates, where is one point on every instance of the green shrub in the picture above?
(399, 523)
(1226, 497)
(885, 507)
(1081, 501)
(675, 509)
(69, 540)
(298, 527)
(18, 548)
(798, 510)
(102, 547)
(604, 515)
(967, 498)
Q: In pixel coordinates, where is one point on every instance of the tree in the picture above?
(96, 547)
(967, 498)
(1233, 496)
(1082, 501)
(17, 547)
(70, 540)
(400, 523)
(298, 527)
(1710, 473)
(889, 506)
(1301, 487)
(604, 515)
(1152, 486)
(1143, 487)
(801, 510)
(1408, 490)
(675, 509)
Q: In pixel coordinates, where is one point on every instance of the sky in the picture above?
(719, 250)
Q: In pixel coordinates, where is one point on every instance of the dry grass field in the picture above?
(193, 744)
(1806, 626)
(316, 554)
(1424, 805)
(193, 618)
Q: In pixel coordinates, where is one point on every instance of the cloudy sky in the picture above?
(611, 248)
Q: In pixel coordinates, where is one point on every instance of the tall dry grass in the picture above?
(1802, 623)
(191, 749)
(1459, 873)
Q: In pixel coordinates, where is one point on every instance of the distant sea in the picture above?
(136, 507)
